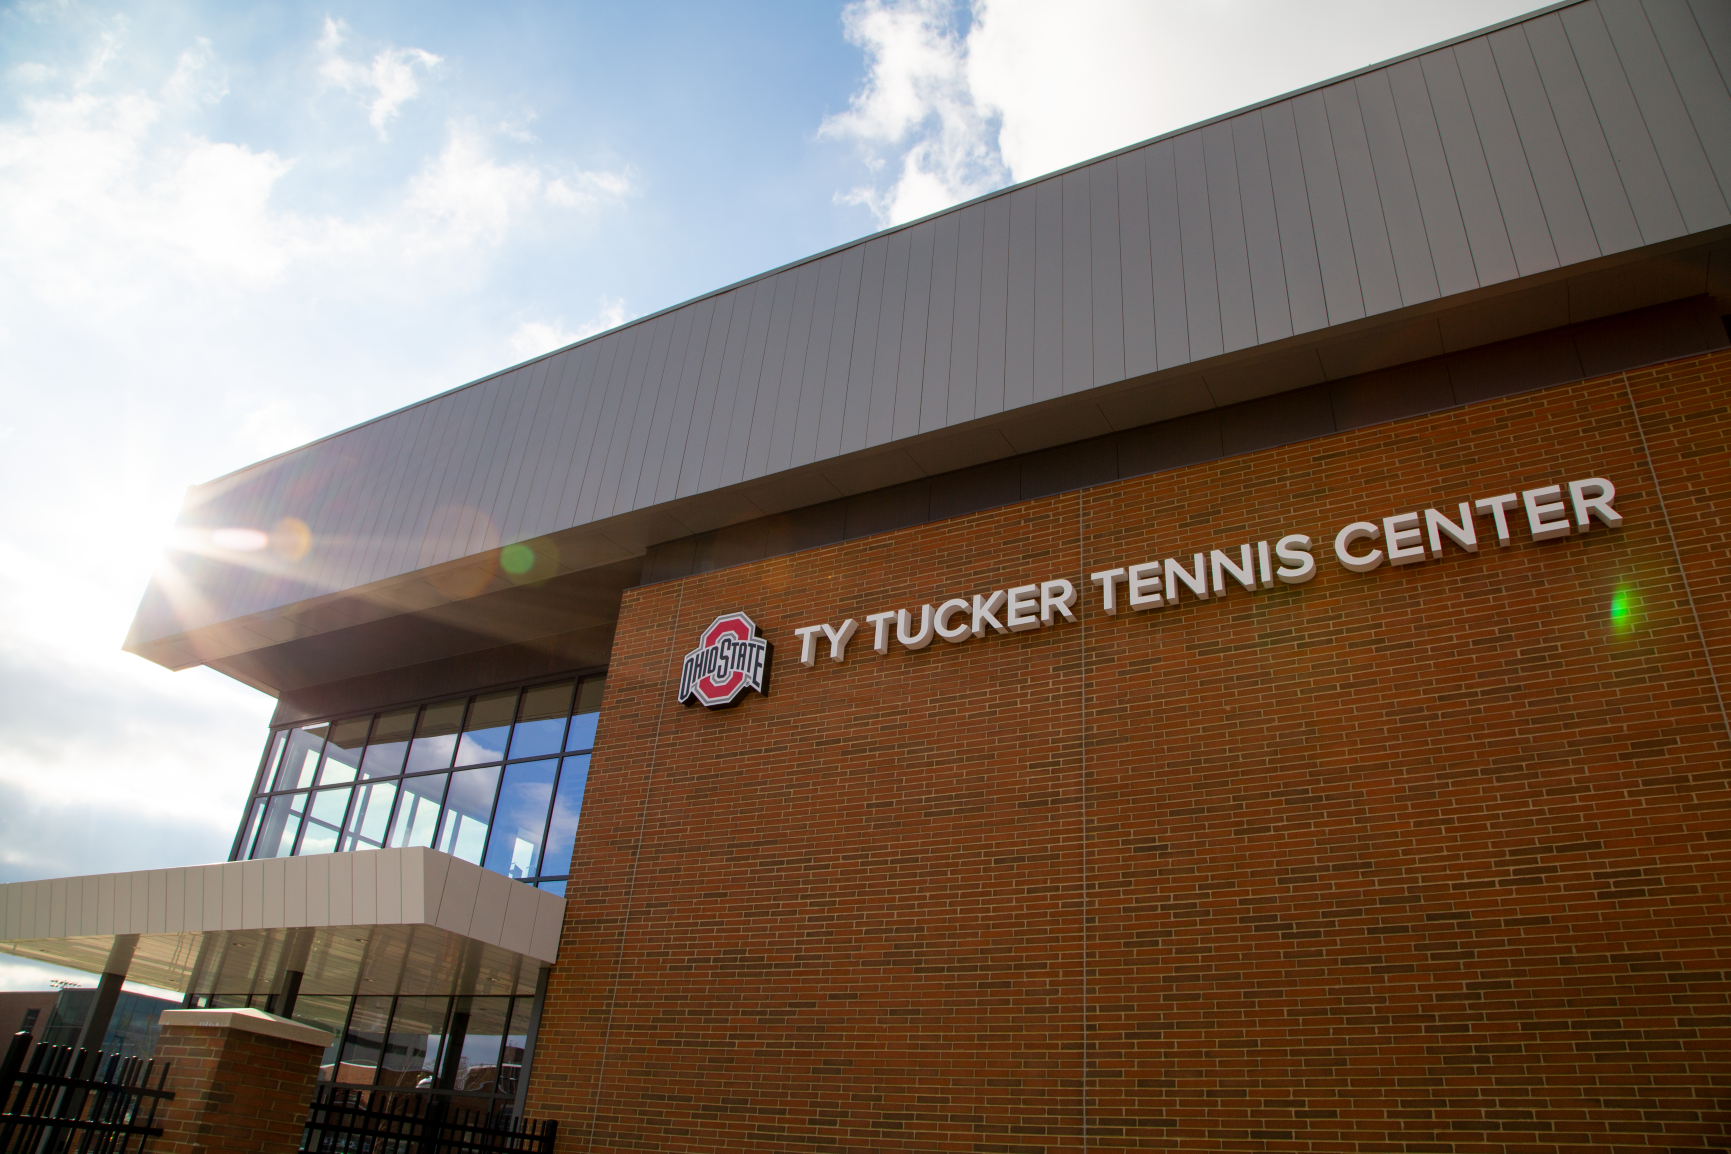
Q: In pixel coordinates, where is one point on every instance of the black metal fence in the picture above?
(380, 1121)
(55, 1100)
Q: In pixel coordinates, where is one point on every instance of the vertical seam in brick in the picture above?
(1677, 551)
(1082, 626)
(636, 858)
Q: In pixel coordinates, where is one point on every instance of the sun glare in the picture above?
(239, 540)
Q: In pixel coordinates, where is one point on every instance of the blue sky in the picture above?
(226, 229)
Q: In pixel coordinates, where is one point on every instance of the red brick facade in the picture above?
(234, 1091)
(1429, 858)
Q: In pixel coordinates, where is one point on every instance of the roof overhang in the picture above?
(1547, 172)
(393, 921)
(472, 603)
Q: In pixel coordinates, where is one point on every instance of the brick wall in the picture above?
(1430, 858)
(234, 1091)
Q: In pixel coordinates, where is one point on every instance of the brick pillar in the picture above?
(242, 1081)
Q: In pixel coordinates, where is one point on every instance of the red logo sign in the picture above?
(730, 658)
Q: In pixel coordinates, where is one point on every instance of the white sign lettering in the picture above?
(1407, 538)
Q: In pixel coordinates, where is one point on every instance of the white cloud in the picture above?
(196, 76)
(465, 197)
(88, 185)
(30, 72)
(588, 189)
(518, 130)
(916, 101)
(390, 78)
(532, 338)
(960, 98)
(109, 39)
(165, 316)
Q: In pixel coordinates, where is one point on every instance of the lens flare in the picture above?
(1625, 608)
(292, 538)
(239, 540)
(516, 559)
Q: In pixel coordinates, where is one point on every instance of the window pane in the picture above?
(468, 808)
(325, 822)
(488, 727)
(282, 820)
(436, 737)
(368, 821)
(589, 695)
(515, 850)
(240, 854)
(301, 758)
(582, 735)
(516, 1040)
(364, 1042)
(418, 811)
(343, 750)
(271, 758)
(541, 720)
(556, 886)
(478, 1061)
(412, 1052)
(389, 742)
(567, 807)
(327, 1013)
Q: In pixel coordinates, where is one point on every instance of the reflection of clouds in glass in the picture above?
(483, 745)
(431, 753)
(478, 808)
(281, 822)
(387, 744)
(301, 758)
(536, 738)
(567, 808)
(488, 728)
(343, 750)
(467, 808)
(521, 816)
(582, 734)
(371, 813)
(418, 813)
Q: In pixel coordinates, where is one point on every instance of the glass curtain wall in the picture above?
(496, 779)
(468, 1047)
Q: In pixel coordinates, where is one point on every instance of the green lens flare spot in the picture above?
(516, 559)
(1624, 609)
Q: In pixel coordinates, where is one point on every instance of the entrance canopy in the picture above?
(393, 921)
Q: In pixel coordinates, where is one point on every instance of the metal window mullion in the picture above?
(385, 1041)
(343, 1041)
(349, 807)
(552, 806)
(391, 812)
(258, 788)
(301, 830)
(396, 803)
(256, 805)
(444, 1038)
(504, 1038)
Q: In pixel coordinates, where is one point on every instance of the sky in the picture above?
(227, 229)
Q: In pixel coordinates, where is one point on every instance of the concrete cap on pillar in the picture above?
(252, 1021)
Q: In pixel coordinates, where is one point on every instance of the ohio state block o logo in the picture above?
(730, 658)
